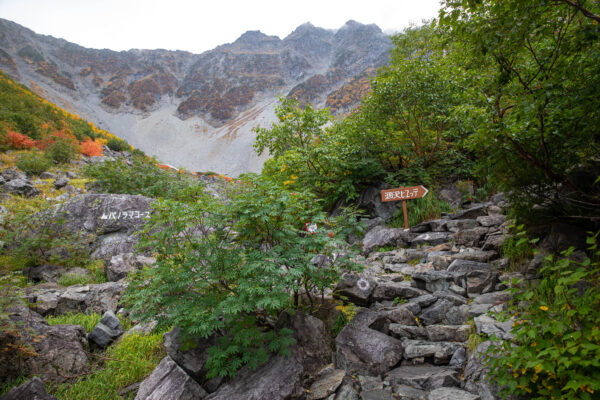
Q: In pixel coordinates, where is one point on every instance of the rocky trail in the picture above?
(423, 295)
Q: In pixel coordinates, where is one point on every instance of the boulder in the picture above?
(435, 313)
(432, 281)
(456, 225)
(393, 290)
(97, 298)
(47, 175)
(379, 394)
(458, 358)
(60, 182)
(106, 331)
(405, 392)
(21, 187)
(33, 389)
(451, 394)
(490, 326)
(169, 382)
(355, 288)
(423, 377)
(470, 237)
(476, 372)
(381, 236)
(476, 210)
(401, 315)
(326, 384)
(491, 220)
(46, 273)
(451, 195)
(440, 351)
(363, 350)
(477, 255)
(346, 392)
(494, 242)
(425, 300)
(407, 331)
(283, 377)
(431, 238)
(438, 225)
(10, 174)
(492, 298)
(448, 333)
(370, 200)
(54, 353)
(452, 297)
(123, 264)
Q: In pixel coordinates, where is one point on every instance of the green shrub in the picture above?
(6, 386)
(420, 210)
(33, 163)
(130, 360)
(61, 151)
(116, 144)
(88, 321)
(518, 248)
(253, 262)
(145, 178)
(556, 349)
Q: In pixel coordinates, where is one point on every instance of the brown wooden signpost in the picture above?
(404, 193)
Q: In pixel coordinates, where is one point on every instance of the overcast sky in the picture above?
(200, 25)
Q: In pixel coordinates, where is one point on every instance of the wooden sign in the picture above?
(404, 193)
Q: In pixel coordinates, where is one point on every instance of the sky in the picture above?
(200, 25)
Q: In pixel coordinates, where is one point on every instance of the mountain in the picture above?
(197, 110)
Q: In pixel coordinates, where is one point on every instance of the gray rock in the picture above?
(10, 174)
(454, 288)
(457, 315)
(46, 273)
(448, 333)
(123, 264)
(431, 238)
(425, 300)
(423, 377)
(142, 329)
(456, 225)
(366, 351)
(169, 382)
(283, 377)
(451, 195)
(368, 383)
(21, 187)
(326, 385)
(432, 281)
(106, 331)
(401, 315)
(420, 228)
(398, 257)
(476, 374)
(383, 394)
(60, 182)
(356, 288)
(477, 210)
(60, 350)
(440, 259)
(47, 175)
(440, 351)
(491, 220)
(480, 281)
(471, 254)
(407, 331)
(494, 242)
(438, 225)
(370, 200)
(71, 175)
(460, 269)
(381, 236)
(33, 389)
(492, 298)
(97, 298)
(404, 392)
(458, 358)
(392, 290)
(476, 310)
(490, 326)
(451, 394)
(470, 237)
(346, 392)
(435, 313)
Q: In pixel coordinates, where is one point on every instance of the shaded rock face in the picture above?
(283, 377)
(169, 382)
(57, 352)
(106, 331)
(32, 390)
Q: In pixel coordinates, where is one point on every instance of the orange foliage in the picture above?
(91, 148)
(61, 134)
(17, 140)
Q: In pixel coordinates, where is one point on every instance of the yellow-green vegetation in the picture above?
(130, 360)
(420, 210)
(88, 321)
(518, 248)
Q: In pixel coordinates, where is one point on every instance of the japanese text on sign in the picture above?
(402, 194)
(130, 214)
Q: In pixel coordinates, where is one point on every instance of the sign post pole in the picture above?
(404, 193)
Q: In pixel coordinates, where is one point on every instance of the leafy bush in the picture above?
(145, 178)
(61, 150)
(556, 350)
(33, 163)
(16, 140)
(116, 144)
(88, 321)
(232, 268)
(130, 360)
(518, 248)
(91, 148)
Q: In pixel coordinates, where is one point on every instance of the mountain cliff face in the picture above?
(197, 110)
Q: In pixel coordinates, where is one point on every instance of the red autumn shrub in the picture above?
(91, 148)
(19, 141)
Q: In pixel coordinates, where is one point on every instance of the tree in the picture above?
(537, 98)
(228, 270)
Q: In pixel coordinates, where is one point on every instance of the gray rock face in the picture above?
(193, 358)
(370, 200)
(494, 242)
(169, 382)
(407, 331)
(450, 333)
(123, 264)
(470, 237)
(491, 220)
(21, 187)
(440, 351)
(392, 290)
(478, 210)
(47, 175)
(488, 325)
(356, 288)
(97, 298)
(423, 377)
(456, 225)
(106, 331)
(381, 236)
(46, 272)
(60, 182)
(433, 281)
(435, 313)
(451, 394)
(283, 377)
(31, 390)
(405, 392)
(326, 385)
(477, 255)
(431, 238)
(61, 349)
(380, 394)
(366, 351)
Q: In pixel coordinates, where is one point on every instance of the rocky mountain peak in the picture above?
(255, 41)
